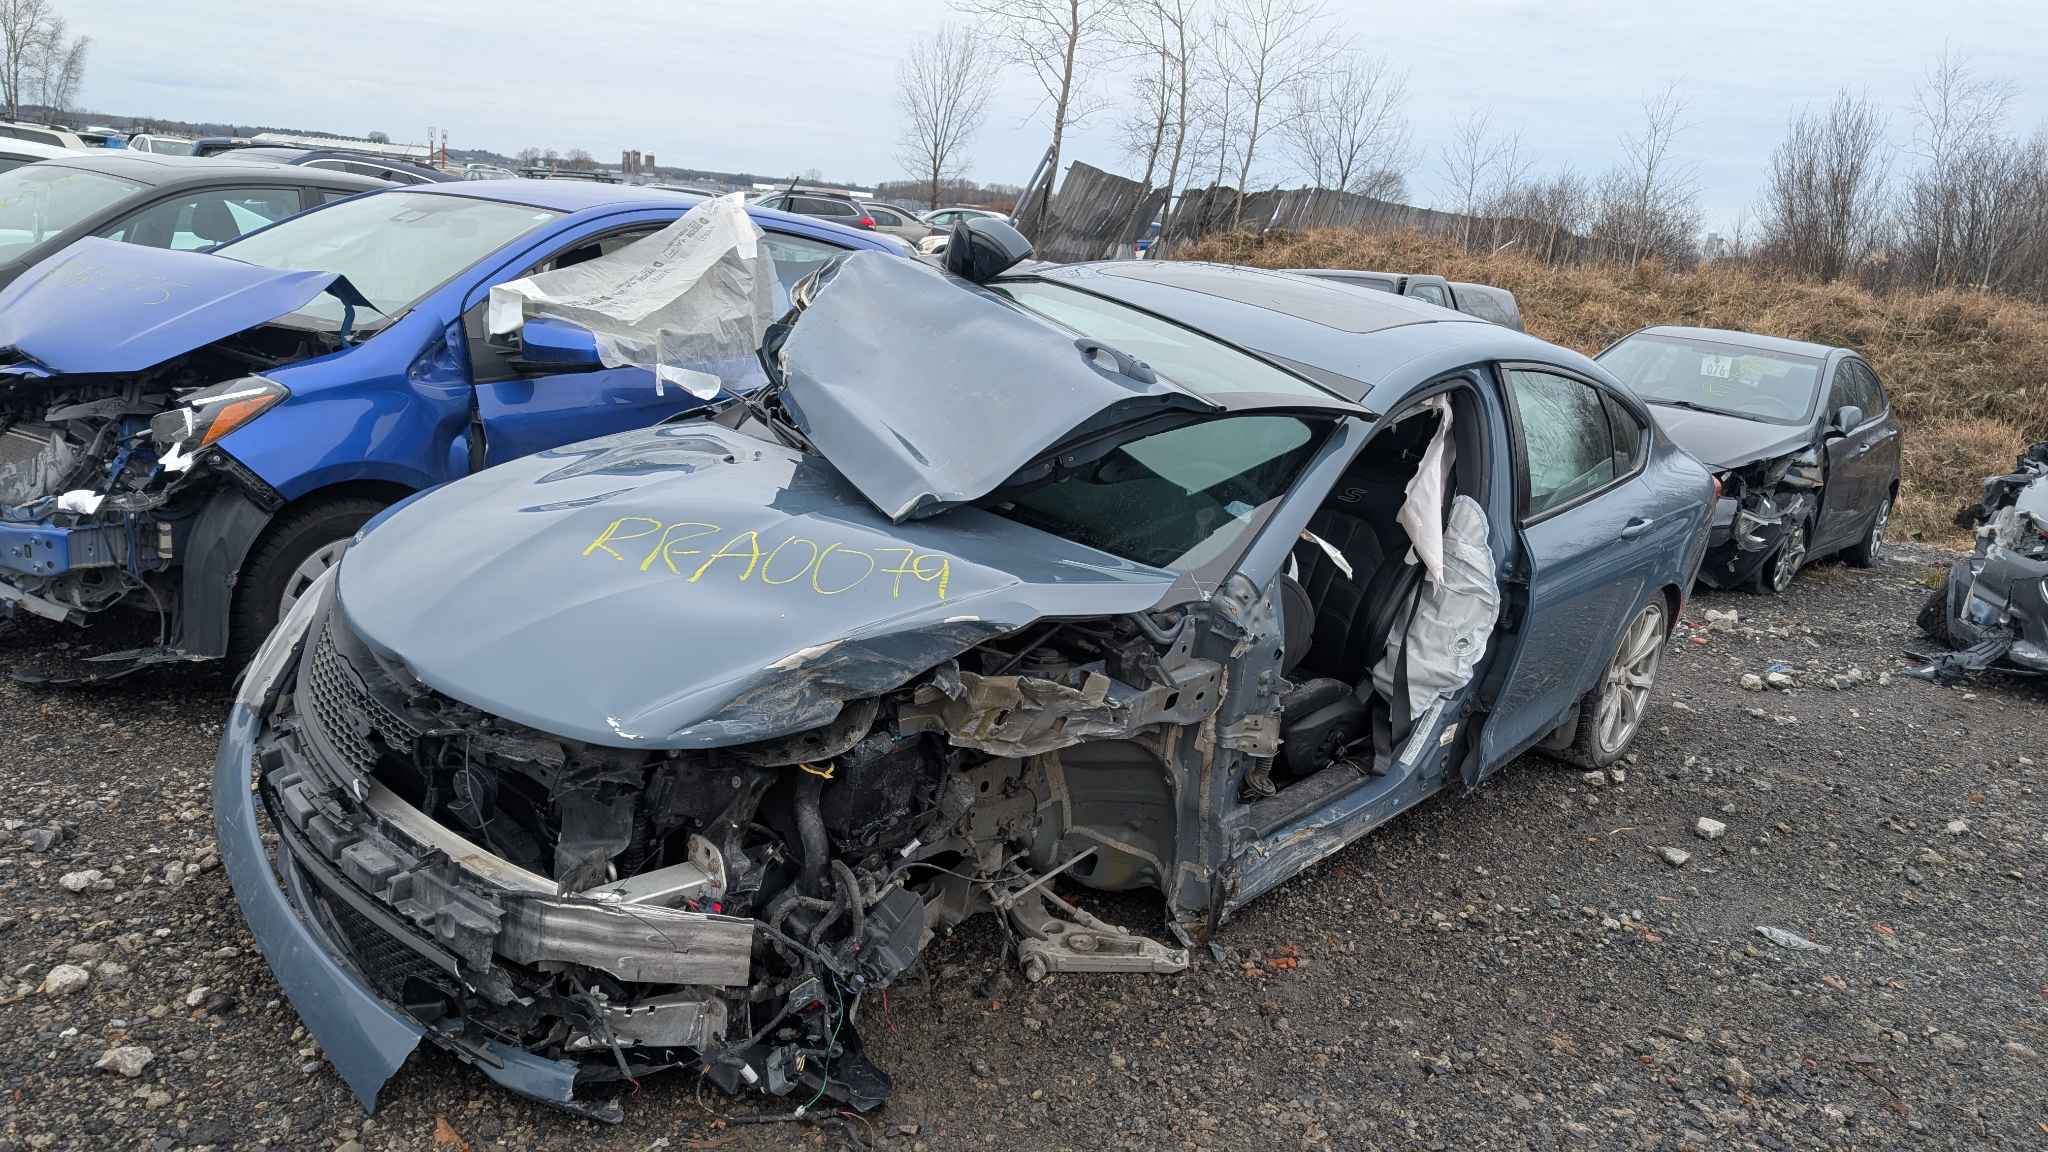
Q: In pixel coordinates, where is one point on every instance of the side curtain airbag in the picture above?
(1454, 615)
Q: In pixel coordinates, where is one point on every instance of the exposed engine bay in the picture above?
(1992, 609)
(121, 465)
(727, 909)
(1761, 504)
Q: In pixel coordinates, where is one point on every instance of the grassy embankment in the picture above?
(1968, 372)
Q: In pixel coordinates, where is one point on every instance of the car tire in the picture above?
(1611, 714)
(1871, 547)
(1777, 572)
(283, 561)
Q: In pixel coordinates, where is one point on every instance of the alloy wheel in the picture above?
(1625, 690)
(1878, 527)
(1791, 554)
(324, 557)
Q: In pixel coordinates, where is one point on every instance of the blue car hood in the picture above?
(103, 306)
(689, 586)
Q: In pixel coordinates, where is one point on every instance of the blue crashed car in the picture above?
(664, 749)
(199, 434)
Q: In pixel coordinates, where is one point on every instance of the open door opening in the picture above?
(1388, 605)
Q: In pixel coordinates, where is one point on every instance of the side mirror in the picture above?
(982, 249)
(548, 345)
(1847, 417)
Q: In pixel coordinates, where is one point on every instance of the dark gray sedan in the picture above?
(662, 750)
(159, 201)
(1801, 436)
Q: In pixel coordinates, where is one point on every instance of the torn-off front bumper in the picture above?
(363, 1035)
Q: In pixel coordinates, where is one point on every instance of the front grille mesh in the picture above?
(379, 955)
(345, 712)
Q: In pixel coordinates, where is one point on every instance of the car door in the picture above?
(1846, 497)
(1589, 535)
(523, 409)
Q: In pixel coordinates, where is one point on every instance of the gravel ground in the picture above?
(1515, 968)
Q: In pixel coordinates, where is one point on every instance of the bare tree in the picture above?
(1347, 128)
(1059, 42)
(1823, 210)
(1649, 202)
(1468, 161)
(24, 44)
(578, 158)
(1165, 34)
(1957, 116)
(53, 66)
(1274, 46)
(943, 90)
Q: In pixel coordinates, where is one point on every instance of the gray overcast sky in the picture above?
(732, 87)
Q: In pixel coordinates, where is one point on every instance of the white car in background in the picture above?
(43, 134)
(159, 144)
(941, 221)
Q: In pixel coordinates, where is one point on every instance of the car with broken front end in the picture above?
(667, 749)
(197, 435)
(1801, 436)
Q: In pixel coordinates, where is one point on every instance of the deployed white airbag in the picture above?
(1422, 512)
(1446, 636)
(690, 302)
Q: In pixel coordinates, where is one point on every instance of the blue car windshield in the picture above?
(395, 247)
(1771, 387)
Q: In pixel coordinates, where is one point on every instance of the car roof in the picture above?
(1353, 341)
(9, 146)
(1730, 336)
(581, 195)
(159, 170)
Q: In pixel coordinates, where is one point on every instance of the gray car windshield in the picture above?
(1178, 499)
(395, 247)
(1772, 387)
(38, 201)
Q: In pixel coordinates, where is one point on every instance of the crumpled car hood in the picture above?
(688, 586)
(926, 392)
(1728, 441)
(104, 306)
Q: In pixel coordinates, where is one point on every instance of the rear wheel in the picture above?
(1612, 713)
(293, 552)
(1777, 572)
(1871, 547)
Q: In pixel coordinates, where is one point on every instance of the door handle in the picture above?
(1635, 527)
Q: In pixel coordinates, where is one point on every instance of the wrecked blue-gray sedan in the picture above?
(665, 750)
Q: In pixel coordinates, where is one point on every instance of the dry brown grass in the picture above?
(1964, 369)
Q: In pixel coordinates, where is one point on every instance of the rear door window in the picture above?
(1430, 293)
(202, 219)
(1567, 440)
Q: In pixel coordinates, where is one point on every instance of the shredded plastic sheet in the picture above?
(1422, 512)
(1453, 616)
(81, 501)
(690, 302)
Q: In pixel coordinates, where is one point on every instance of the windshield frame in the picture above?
(1820, 376)
(371, 321)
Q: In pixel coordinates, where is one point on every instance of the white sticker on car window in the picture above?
(1716, 366)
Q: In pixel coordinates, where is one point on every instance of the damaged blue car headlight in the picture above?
(211, 413)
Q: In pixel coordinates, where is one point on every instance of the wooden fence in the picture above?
(1096, 215)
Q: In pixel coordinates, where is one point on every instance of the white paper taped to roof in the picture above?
(1453, 617)
(689, 303)
(1422, 512)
